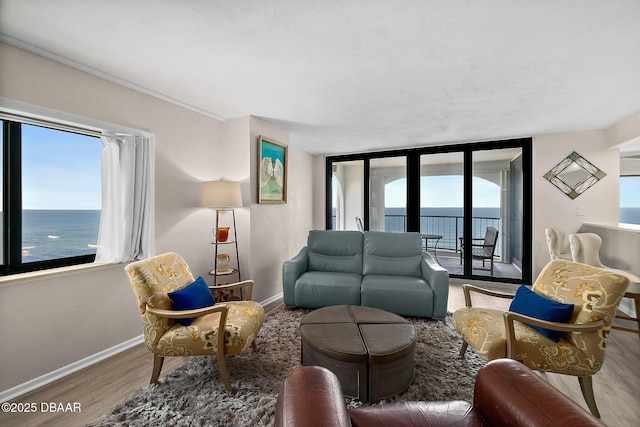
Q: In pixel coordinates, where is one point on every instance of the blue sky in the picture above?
(272, 151)
(443, 192)
(630, 192)
(61, 170)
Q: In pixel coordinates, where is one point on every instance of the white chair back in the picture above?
(585, 248)
(558, 248)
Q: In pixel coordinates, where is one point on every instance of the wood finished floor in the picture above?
(102, 386)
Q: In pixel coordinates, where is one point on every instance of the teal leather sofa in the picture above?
(389, 271)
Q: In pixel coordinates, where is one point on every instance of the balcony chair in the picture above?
(587, 297)
(194, 332)
(558, 248)
(585, 248)
(484, 250)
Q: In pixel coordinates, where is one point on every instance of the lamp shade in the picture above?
(221, 194)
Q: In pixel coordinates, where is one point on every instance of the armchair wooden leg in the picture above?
(586, 385)
(464, 348)
(224, 373)
(157, 367)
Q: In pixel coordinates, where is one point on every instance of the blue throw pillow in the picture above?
(195, 295)
(535, 305)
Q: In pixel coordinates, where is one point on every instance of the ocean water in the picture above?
(50, 234)
(445, 222)
(630, 215)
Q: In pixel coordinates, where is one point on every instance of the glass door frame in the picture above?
(413, 193)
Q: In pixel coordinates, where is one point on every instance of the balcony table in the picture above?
(435, 237)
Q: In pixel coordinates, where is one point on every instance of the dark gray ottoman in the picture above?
(370, 350)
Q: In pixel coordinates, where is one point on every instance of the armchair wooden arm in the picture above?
(467, 289)
(510, 317)
(248, 284)
(182, 314)
(185, 314)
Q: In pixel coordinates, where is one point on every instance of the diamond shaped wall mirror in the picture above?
(574, 175)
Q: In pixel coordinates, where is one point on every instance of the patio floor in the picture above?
(451, 261)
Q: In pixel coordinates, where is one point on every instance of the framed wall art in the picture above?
(272, 171)
(574, 175)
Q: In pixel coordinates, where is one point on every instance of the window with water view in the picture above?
(52, 180)
(630, 200)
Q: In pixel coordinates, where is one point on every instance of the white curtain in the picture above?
(127, 223)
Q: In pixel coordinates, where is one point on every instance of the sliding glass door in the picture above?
(388, 194)
(471, 203)
(347, 195)
(495, 249)
(442, 206)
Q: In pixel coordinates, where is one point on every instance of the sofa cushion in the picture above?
(403, 295)
(396, 254)
(315, 289)
(337, 251)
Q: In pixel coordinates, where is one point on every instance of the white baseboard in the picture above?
(272, 299)
(45, 379)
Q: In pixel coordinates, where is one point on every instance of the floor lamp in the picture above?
(224, 196)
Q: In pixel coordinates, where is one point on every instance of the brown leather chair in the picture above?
(506, 393)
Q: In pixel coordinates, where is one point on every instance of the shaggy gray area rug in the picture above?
(194, 394)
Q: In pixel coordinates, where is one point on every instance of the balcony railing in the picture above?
(449, 227)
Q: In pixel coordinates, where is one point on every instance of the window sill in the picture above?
(13, 279)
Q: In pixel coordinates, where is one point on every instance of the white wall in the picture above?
(51, 322)
(353, 190)
(319, 193)
(276, 228)
(554, 209)
(624, 131)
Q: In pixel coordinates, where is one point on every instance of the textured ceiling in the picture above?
(345, 76)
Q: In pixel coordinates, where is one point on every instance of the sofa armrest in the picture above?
(438, 278)
(508, 393)
(291, 270)
(310, 396)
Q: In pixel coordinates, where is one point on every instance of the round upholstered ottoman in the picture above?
(371, 351)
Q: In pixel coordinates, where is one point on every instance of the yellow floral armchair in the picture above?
(154, 278)
(595, 293)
